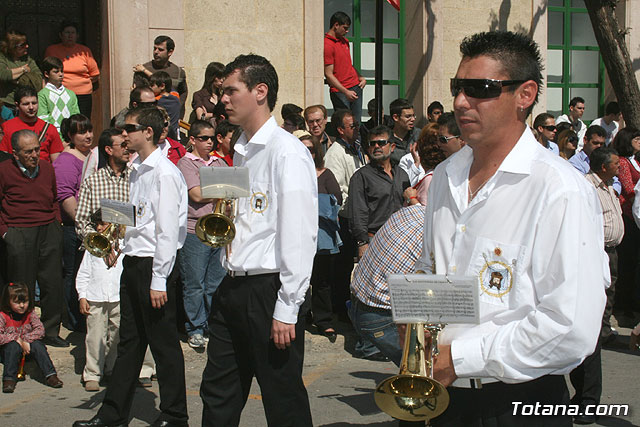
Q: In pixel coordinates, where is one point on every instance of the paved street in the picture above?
(340, 388)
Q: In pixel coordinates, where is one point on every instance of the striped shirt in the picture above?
(393, 250)
(611, 210)
(103, 184)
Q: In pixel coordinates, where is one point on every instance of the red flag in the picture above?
(395, 3)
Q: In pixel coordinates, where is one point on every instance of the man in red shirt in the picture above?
(345, 82)
(27, 102)
(30, 228)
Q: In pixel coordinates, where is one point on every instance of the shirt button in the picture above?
(463, 228)
(453, 268)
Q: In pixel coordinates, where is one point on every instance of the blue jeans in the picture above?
(71, 260)
(201, 273)
(12, 353)
(376, 326)
(340, 102)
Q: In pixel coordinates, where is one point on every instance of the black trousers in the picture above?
(587, 379)
(142, 325)
(628, 283)
(35, 253)
(321, 284)
(343, 267)
(492, 405)
(12, 354)
(240, 348)
(85, 104)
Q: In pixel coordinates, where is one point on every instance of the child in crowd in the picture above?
(55, 102)
(98, 287)
(222, 144)
(161, 87)
(20, 334)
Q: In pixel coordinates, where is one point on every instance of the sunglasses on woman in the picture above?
(481, 88)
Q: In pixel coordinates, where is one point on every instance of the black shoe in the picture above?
(584, 419)
(330, 333)
(377, 357)
(97, 422)
(55, 341)
(165, 423)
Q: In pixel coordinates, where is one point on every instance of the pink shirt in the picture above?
(422, 187)
(190, 166)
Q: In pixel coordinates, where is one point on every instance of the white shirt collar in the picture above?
(151, 161)
(261, 137)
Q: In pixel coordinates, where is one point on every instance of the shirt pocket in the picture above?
(497, 268)
(259, 203)
(144, 212)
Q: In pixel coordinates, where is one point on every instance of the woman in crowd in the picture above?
(567, 143)
(430, 156)
(81, 72)
(16, 68)
(77, 132)
(205, 100)
(627, 144)
(329, 201)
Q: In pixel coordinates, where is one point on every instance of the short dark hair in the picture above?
(16, 292)
(140, 79)
(171, 45)
(73, 125)
(397, 105)
(136, 94)
(49, 63)
(160, 78)
(622, 141)
(198, 126)
(595, 130)
(15, 137)
(288, 109)
(24, 92)
(541, 119)
(106, 140)
(253, 70)
(297, 120)
(337, 120)
(372, 107)
(66, 23)
(340, 18)
(601, 156)
(149, 117)
(219, 111)
(563, 126)
(433, 106)
(224, 127)
(518, 54)
(612, 108)
(379, 130)
(575, 101)
(448, 120)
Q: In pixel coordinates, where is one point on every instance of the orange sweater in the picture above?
(79, 66)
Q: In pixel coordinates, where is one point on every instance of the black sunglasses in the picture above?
(444, 139)
(378, 142)
(481, 88)
(204, 137)
(132, 128)
(572, 139)
(550, 128)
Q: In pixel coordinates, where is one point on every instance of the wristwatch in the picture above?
(362, 243)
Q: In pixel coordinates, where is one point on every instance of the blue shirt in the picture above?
(580, 161)
(553, 147)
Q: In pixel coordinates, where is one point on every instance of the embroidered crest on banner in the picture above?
(496, 278)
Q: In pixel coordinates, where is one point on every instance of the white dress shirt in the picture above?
(277, 225)
(579, 127)
(159, 195)
(416, 173)
(533, 238)
(96, 282)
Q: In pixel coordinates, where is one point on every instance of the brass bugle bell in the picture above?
(217, 229)
(413, 394)
(21, 376)
(100, 244)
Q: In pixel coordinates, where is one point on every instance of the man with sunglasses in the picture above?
(148, 299)
(574, 117)
(141, 96)
(545, 124)
(507, 213)
(450, 141)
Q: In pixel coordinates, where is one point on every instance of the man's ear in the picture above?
(395, 117)
(262, 91)
(527, 93)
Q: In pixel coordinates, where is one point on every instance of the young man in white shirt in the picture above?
(148, 295)
(576, 110)
(539, 311)
(609, 122)
(256, 327)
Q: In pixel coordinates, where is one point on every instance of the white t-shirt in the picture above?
(611, 128)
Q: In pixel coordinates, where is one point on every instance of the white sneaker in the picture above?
(196, 341)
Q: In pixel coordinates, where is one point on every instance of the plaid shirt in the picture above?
(393, 250)
(103, 184)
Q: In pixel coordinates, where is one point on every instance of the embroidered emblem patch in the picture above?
(259, 202)
(496, 278)
(142, 208)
